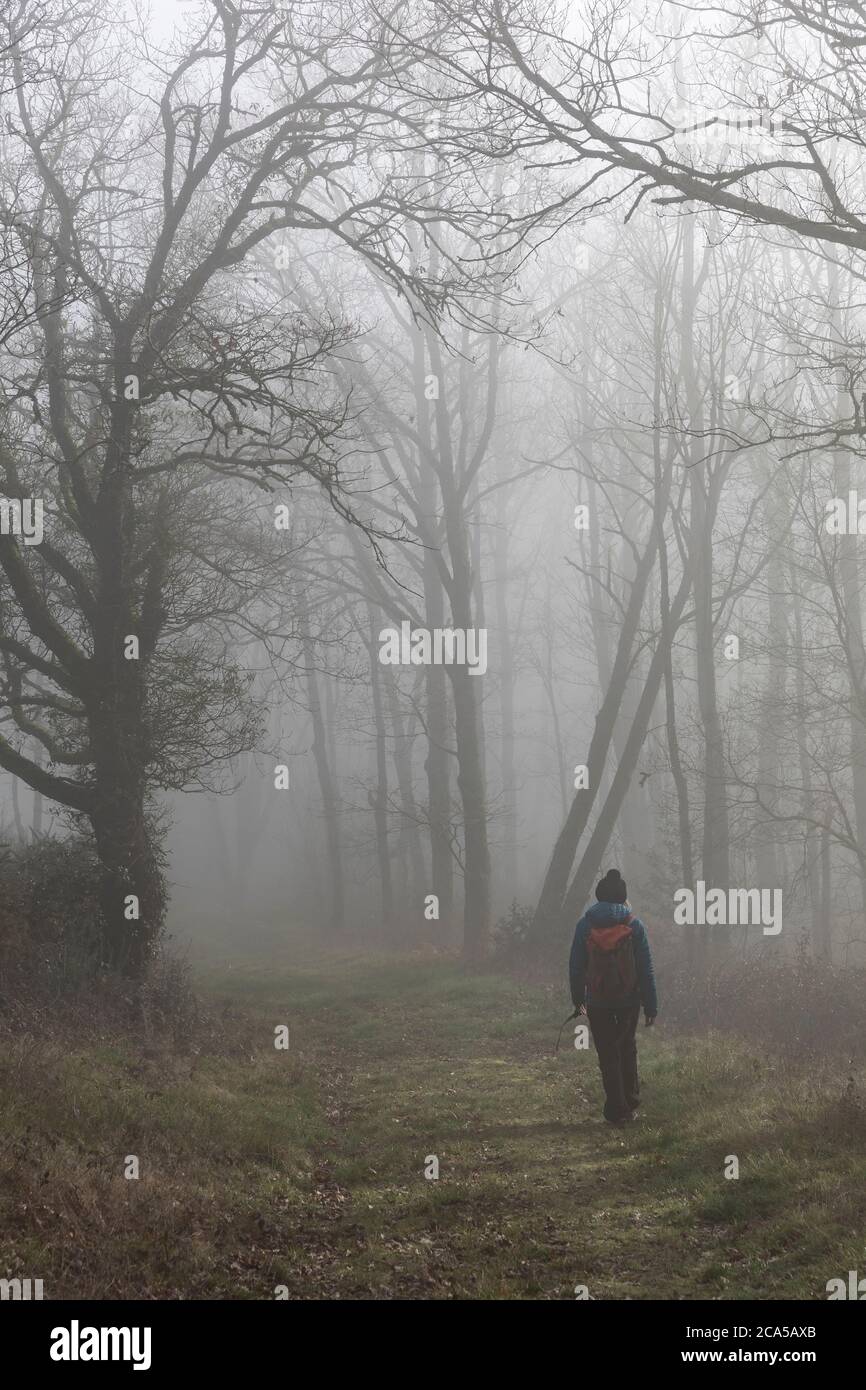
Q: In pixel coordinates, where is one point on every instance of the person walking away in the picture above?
(611, 977)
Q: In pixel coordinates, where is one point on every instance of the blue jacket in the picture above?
(601, 915)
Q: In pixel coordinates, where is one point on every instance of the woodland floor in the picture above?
(305, 1168)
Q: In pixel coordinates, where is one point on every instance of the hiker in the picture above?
(611, 973)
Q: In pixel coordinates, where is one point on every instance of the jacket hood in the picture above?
(608, 914)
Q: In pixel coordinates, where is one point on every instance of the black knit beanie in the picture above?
(612, 888)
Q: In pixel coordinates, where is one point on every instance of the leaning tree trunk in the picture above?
(549, 909)
(597, 844)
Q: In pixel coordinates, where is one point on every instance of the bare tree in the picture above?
(133, 354)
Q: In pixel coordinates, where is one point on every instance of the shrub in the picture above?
(512, 934)
(50, 921)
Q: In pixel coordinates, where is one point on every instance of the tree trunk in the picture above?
(326, 781)
(466, 692)
(510, 847)
(438, 761)
(812, 840)
(825, 950)
(590, 863)
(437, 764)
(715, 852)
(470, 767)
(766, 857)
(849, 558)
(379, 799)
(129, 859)
(118, 734)
(412, 851)
(549, 909)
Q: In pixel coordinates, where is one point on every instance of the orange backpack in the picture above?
(612, 971)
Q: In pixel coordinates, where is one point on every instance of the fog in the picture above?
(430, 440)
(530, 415)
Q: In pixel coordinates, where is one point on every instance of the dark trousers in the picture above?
(613, 1032)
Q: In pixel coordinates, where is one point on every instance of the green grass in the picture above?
(305, 1169)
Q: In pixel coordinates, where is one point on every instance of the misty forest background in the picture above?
(318, 318)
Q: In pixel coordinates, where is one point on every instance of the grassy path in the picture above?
(305, 1169)
(535, 1194)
